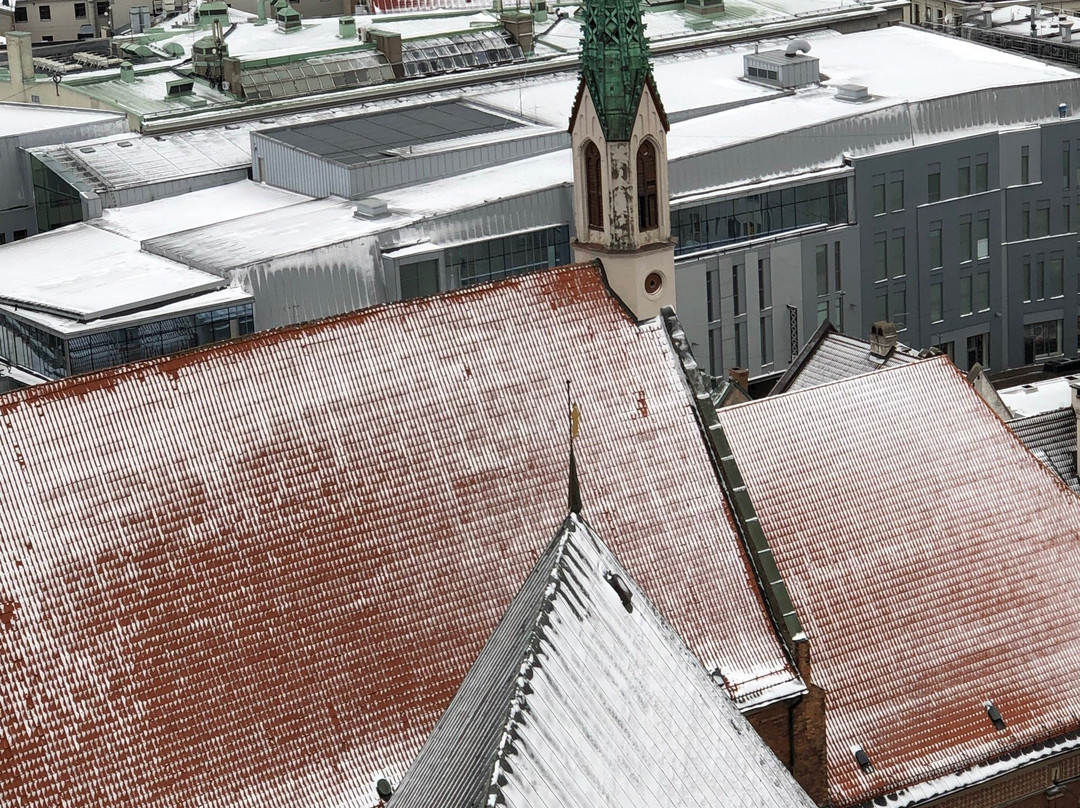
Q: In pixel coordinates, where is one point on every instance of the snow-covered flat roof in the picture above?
(68, 328)
(86, 273)
(197, 209)
(147, 94)
(21, 119)
(1038, 397)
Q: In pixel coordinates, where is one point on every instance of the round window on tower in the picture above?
(654, 282)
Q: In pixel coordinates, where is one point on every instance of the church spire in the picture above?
(615, 63)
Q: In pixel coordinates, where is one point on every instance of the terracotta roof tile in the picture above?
(257, 573)
(934, 562)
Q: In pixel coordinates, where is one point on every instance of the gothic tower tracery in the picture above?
(618, 129)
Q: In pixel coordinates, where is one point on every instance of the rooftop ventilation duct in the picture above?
(852, 92)
(994, 715)
(797, 46)
(862, 758)
(346, 28)
(127, 72)
(786, 69)
(371, 209)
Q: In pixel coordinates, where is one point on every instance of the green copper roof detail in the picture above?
(615, 63)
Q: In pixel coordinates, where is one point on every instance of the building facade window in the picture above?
(964, 239)
(20, 13)
(1042, 340)
(966, 299)
(766, 340)
(982, 173)
(44, 13)
(1055, 276)
(935, 246)
(80, 11)
(982, 291)
(594, 202)
(1025, 170)
(963, 176)
(881, 261)
(738, 301)
(648, 205)
(764, 276)
(1042, 220)
(821, 264)
(498, 258)
(896, 254)
(879, 194)
(740, 345)
(896, 190)
(1066, 167)
(1025, 220)
(935, 302)
(419, 279)
(978, 350)
(19, 235)
(732, 220)
(982, 237)
(56, 202)
(933, 183)
(898, 306)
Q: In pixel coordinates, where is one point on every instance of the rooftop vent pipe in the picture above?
(127, 73)
(1065, 27)
(795, 46)
(621, 589)
(384, 789)
(346, 28)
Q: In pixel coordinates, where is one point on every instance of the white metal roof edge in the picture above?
(1006, 764)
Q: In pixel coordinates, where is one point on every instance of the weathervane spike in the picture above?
(574, 415)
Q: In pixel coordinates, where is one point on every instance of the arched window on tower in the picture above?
(593, 184)
(648, 207)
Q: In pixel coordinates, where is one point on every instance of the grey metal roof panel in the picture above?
(579, 699)
(1051, 436)
(839, 356)
(364, 138)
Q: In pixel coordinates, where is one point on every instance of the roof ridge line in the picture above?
(529, 659)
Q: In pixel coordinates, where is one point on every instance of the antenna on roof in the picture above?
(574, 414)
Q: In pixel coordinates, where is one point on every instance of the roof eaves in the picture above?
(795, 368)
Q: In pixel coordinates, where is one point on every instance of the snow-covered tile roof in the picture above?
(257, 572)
(934, 563)
(85, 273)
(584, 695)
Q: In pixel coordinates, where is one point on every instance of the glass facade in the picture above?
(47, 355)
(731, 220)
(57, 203)
(500, 258)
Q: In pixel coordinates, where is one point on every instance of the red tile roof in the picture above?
(934, 563)
(258, 572)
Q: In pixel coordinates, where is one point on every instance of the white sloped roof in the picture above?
(585, 695)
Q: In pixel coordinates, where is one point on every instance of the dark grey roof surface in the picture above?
(580, 700)
(1051, 436)
(366, 138)
(838, 356)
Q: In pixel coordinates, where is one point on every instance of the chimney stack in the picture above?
(741, 377)
(20, 59)
(346, 28)
(882, 338)
(1066, 26)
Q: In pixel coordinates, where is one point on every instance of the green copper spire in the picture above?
(615, 63)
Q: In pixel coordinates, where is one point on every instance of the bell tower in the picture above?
(618, 130)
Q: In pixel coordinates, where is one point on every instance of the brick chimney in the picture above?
(882, 338)
(741, 377)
